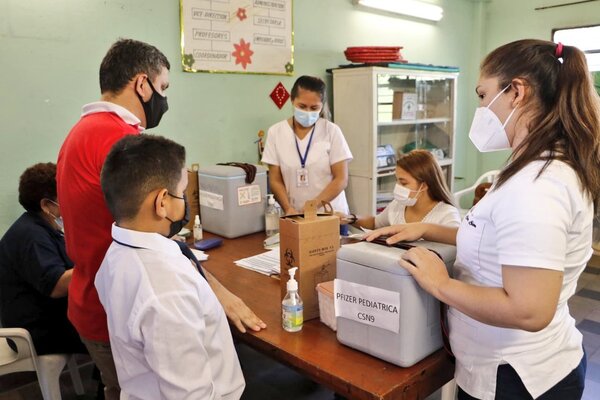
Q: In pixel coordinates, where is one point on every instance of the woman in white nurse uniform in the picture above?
(521, 249)
(307, 154)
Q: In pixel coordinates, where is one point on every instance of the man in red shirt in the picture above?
(133, 78)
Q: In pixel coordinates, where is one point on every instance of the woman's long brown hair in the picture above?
(422, 166)
(565, 108)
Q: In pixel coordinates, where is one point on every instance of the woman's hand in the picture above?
(399, 233)
(291, 211)
(427, 268)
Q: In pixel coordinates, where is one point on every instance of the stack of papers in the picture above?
(266, 263)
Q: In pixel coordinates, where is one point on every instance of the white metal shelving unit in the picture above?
(367, 105)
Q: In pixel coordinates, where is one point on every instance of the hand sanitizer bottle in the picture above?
(197, 229)
(291, 306)
(271, 217)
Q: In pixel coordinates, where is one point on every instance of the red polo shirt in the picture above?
(87, 220)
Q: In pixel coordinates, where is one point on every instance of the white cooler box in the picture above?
(419, 331)
(229, 206)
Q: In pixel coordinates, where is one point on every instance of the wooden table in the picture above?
(315, 351)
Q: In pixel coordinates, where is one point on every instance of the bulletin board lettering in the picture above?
(237, 36)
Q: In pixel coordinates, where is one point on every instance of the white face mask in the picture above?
(402, 195)
(487, 132)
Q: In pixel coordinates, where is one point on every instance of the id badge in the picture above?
(301, 177)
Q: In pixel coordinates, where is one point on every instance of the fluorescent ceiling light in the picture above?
(412, 8)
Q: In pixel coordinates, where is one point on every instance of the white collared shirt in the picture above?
(529, 222)
(169, 334)
(107, 106)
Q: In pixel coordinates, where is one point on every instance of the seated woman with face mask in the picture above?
(420, 195)
(35, 270)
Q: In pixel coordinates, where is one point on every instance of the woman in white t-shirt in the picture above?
(521, 249)
(307, 154)
(420, 195)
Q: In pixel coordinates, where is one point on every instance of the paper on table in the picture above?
(265, 263)
(362, 235)
(200, 255)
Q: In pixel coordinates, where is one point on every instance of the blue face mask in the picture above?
(306, 118)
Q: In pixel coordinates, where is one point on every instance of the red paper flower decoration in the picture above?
(241, 14)
(279, 95)
(242, 53)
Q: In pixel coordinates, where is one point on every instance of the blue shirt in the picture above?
(32, 259)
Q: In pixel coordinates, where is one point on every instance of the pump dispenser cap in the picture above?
(197, 220)
(271, 199)
(292, 284)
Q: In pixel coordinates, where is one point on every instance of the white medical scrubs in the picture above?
(328, 147)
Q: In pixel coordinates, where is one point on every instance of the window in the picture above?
(586, 38)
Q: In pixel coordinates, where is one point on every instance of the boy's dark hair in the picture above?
(36, 183)
(125, 59)
(135, 166)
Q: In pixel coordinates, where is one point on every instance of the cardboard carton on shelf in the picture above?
(404, 105)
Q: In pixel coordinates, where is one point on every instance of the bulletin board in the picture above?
(237, 36)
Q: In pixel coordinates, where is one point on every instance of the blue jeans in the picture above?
(509, 385)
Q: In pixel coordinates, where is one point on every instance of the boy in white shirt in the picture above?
(168, 332)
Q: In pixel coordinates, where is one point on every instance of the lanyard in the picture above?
(126, 245)
(184, 250)
(303, 159)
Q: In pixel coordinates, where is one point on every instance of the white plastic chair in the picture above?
(486, 177)
(47, 367)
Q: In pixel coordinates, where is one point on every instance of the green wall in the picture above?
(50, 52)
(508, 20)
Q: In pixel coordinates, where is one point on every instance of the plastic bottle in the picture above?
(197, 229)
(271, 217)
(292, 308)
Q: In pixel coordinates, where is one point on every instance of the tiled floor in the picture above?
(267, 379)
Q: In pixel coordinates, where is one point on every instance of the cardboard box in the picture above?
(404, 105)
(438, 110)
(192, 195)
(309, 242)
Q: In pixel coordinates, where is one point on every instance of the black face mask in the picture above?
(154, 108)
(176, 226)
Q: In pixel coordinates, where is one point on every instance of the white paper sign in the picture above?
(246, 36)
(211, 200)
(367, 305)
(249, 195)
